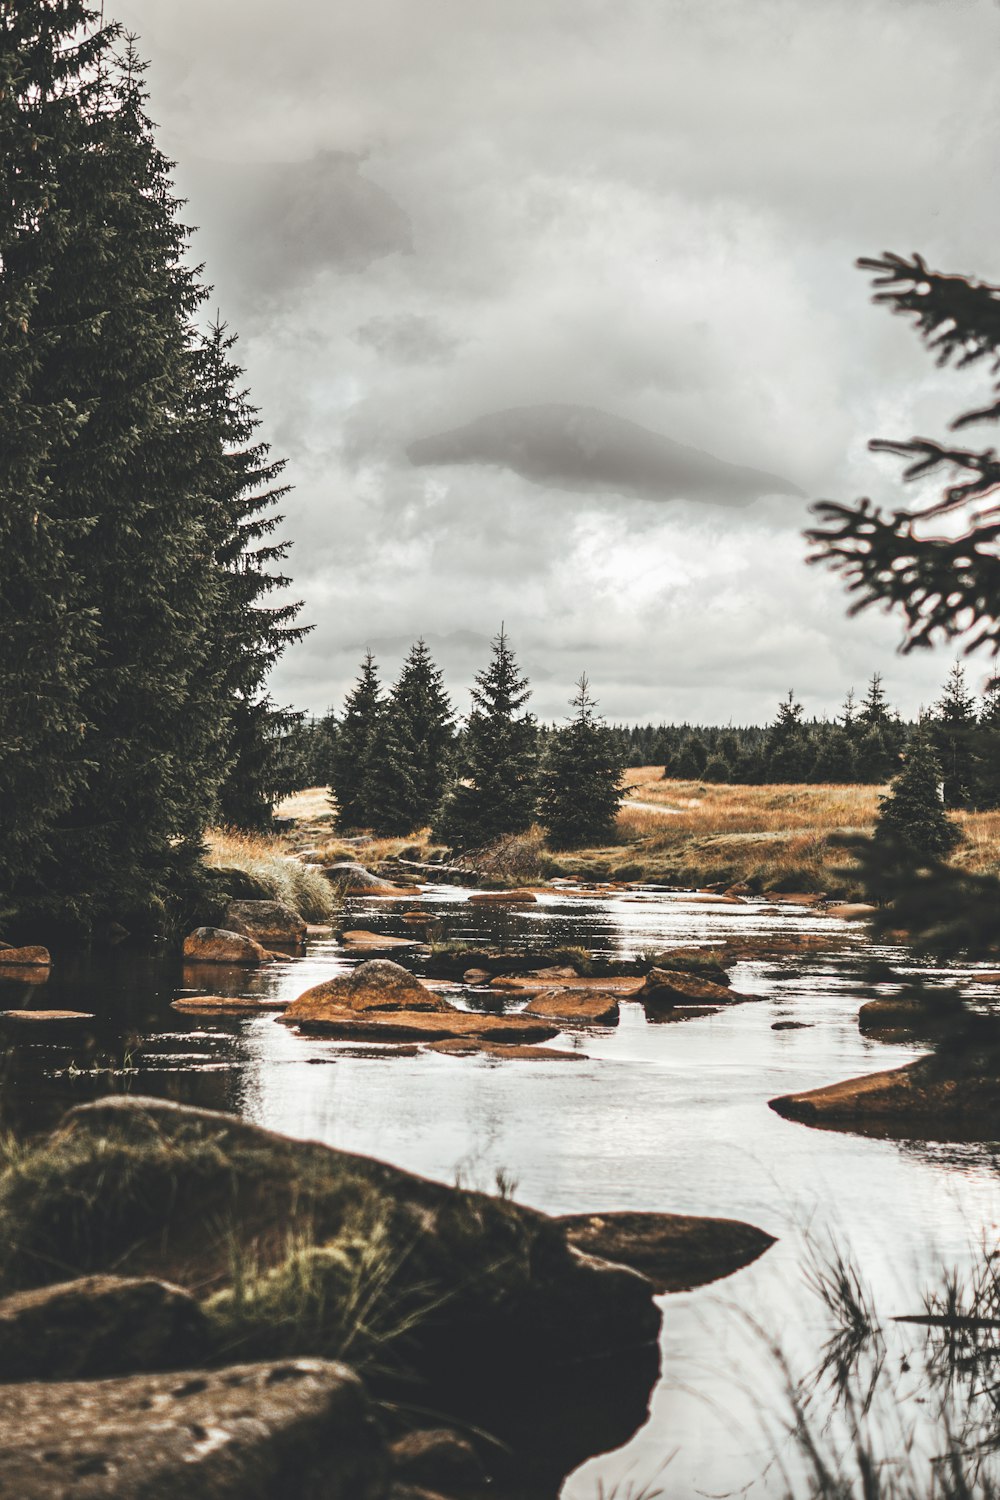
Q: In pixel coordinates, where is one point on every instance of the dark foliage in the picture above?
(580, 783)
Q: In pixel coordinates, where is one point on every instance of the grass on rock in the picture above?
(267, 861)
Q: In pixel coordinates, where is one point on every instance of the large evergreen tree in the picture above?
(581, 778)
(47, 88)
(354, 748)
(500, 745)
(251, 631)
(788, 752)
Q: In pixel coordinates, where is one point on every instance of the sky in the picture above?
(551, 307)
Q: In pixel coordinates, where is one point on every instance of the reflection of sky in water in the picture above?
(669, 1117)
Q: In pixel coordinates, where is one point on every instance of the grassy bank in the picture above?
(272, 870)
(692, 833)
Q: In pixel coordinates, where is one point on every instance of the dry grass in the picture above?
(285, 878)
(309, 806)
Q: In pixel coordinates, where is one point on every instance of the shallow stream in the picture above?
(652, 1117)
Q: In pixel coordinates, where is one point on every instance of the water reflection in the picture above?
(645, 1117)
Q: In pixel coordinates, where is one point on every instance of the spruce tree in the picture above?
(47, 86)
(836, 760)
(411, 758)
(690, 760)
(580, 783)
(496, 795)
(912, 823)
(788, 754)
(986, 755)
(953, 731)
(353, 749)
(251, 632)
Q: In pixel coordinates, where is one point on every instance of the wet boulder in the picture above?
(419, 1025)
(675, 1251)
(217, 945)
(247, 1432)
(666, 989)
(99, 1326)
(267, 922)
(503, 898)
(375, 985)
(574, 1007)
(352, 879)
(25, 958)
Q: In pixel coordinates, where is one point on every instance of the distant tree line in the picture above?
(137, 558)
(371, 754)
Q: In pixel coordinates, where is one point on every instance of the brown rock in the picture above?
(558, 971)
(99, 1326)
(25, 958)
(415, 1025)
(375, 985)
(248, 1432)
(946, 1096)
(476, 976)
(675, 1251)
(353, 879)
(439, 1460)
(267, 922)
(710, 898)
(471, 1046)
(359, 938)
(216, 945)
(318, 929)
(575, 1007)
(42, 1017)
(626, 984)
(851, 911)
(502, 898)
(665, 988)
(225, 1005)
(899, 1016)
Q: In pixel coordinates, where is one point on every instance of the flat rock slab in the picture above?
(25, 958)
(851, 911)
(376, 985)
(99, 1326)
(359, 938)
(249, 1432)
(502, 898)
(674, 1251)
(225, 1005)
(574, 1007)
(44, 1017)
(403, 1025)
(623, 985)
(933, 1099)
(459, 1046)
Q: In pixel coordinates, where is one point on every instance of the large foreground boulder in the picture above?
(266, 922)
(376, 985)
(216, 945)
(99, 1326)
(299, 1428)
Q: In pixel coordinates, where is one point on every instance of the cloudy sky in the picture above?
(550, 305)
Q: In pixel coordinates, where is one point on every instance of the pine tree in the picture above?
(788, 752)
(411, 759)
(953, 731)
(46, 631)
(836, 760)
(251, 634)
(986, 755)
(690, 760)
(717, 768)
(912, 823)
(500, 746)
(354, 746)
(581, 778)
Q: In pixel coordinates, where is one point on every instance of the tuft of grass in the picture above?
(285, 878)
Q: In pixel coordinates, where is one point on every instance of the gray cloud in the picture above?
(580, 448)
(428, 213)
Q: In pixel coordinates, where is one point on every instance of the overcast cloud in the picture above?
(490, 262)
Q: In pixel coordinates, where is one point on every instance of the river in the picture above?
(668, 1117)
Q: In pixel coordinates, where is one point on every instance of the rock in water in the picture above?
(676, 1251)
(353, 879)
(25, 958)
(377, 984)
(574, 1007)
(301, 1427)
(98, 1326)
(216, 945)
(664, 989)
(267, 922)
